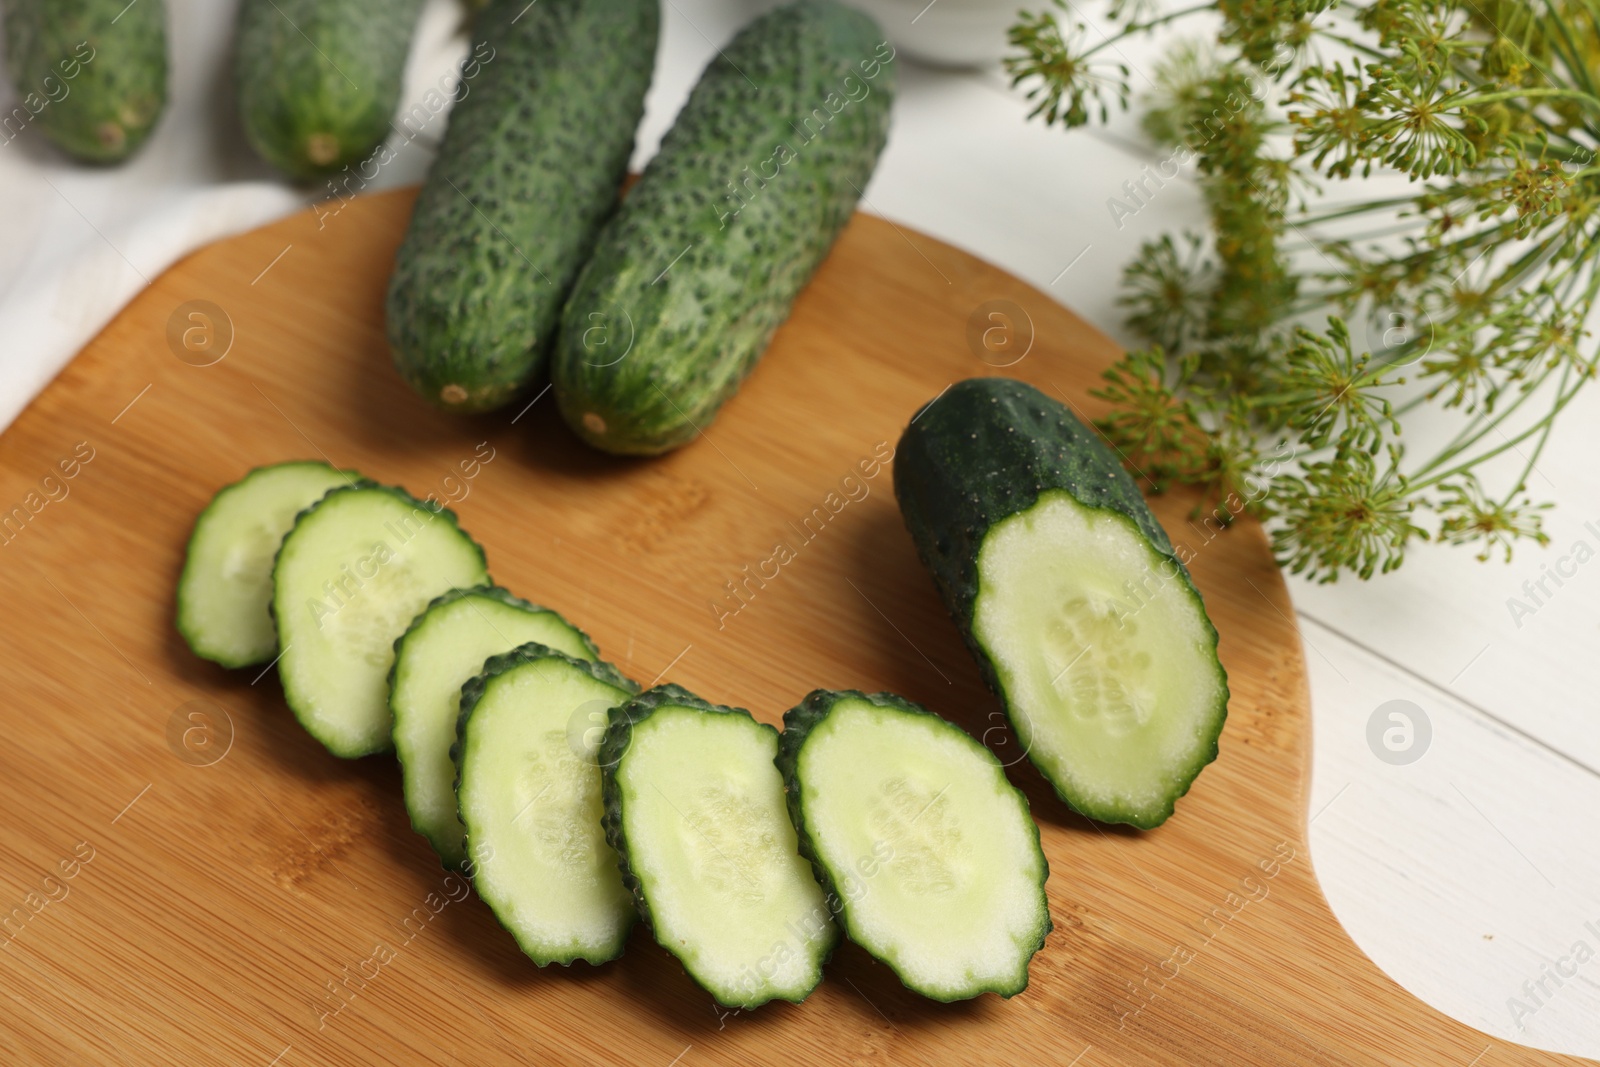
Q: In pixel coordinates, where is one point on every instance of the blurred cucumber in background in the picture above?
(319, 80)
(90, 74)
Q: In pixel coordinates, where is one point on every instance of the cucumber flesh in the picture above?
(356, 569)
(919, 835)
(444, 648)
(696, 806)
(225, 590)
(1112, 686)
(529, 796)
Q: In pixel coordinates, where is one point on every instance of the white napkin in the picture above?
(77, 243)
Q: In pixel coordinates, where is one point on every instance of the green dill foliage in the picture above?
(1317, 321)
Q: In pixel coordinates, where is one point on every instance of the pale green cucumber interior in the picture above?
(530, 799)
(445, 648)
(226, 585)
(710, 841)
(931, 849)
(1107, 662)
(353, 574)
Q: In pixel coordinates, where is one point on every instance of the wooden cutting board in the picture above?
(189, 878)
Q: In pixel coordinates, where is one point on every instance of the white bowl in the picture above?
(949, 33)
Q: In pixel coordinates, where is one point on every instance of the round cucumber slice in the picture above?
(925, 847)
(695, 807)
(529, 796)
(356, 569)
(445, 648)
(225, 590)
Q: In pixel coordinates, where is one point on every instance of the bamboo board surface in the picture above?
(202, 883)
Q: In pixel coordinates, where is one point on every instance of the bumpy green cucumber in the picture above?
(927, 851)
(694, 807)
(1081, 616)
(529, 795)
(530, 167)
(357, 567)
(753, 183)
(318, 81)
(445, 648)
(225, 591)
(91, 74)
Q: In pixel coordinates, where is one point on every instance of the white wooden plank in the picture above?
(1464, 874)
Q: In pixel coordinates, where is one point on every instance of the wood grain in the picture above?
(273, 906)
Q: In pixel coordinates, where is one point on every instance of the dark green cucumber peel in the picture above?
(758, 175)
(531, 166)
(319, 81)
(625, 719)
(91, 73)
(798, 724)
(989, 449)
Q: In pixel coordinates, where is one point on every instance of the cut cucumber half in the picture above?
(920, 838)
(225, 590)
(444, 649)
(695, 808)
(356, 569)
(1070, 595)
(529, 796)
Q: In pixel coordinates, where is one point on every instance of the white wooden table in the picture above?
(1471, 875)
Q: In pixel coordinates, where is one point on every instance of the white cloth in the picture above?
(78, 242)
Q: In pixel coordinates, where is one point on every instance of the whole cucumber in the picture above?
(530, 168)
(319, 80)
(91, 74)
(757, 177)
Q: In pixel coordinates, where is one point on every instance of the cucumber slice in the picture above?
(1070, 594)
(694, 806)
(226, 587)
(356, 569)
(1118, 702)
(919, 836)
(529, 796)
(445, 648)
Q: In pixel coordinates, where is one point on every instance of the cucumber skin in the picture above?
(619, 735)
(311, 69)
(473, 691)
(184, 627)
(699, 330)
(494, 592)
(986, 449)
(798, 722)
(117, 96)
(365, 485)
(531, 166)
